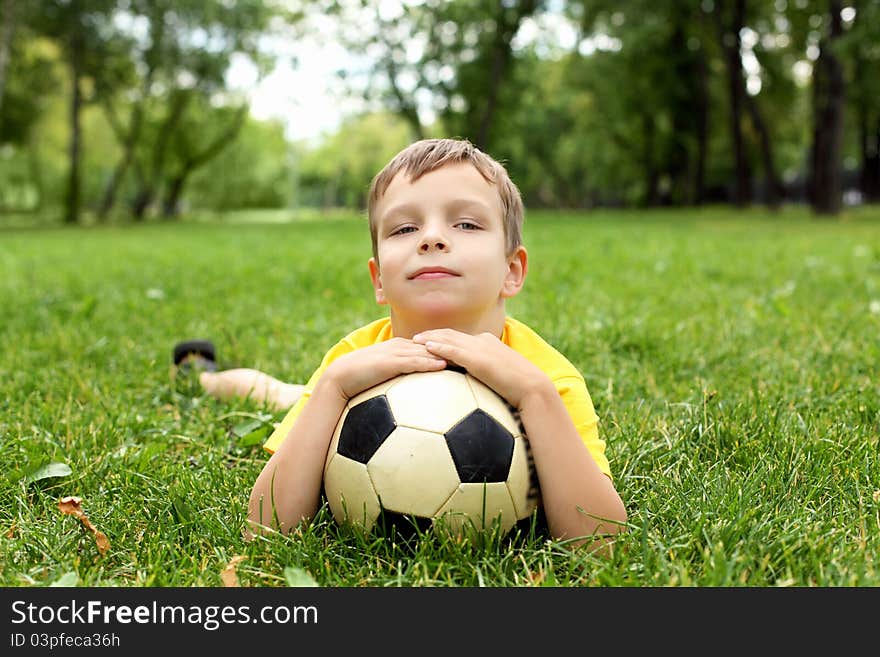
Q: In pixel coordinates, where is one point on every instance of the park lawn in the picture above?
(732, 357)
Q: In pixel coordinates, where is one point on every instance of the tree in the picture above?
(452, 58)
(198, 141)
(8, 22)
(79, 29)
(337, 173)
(253, 172)
(730, 24)
(829, 89)
(483, 70)
(183, 66)
(860, 47)
(647, 66)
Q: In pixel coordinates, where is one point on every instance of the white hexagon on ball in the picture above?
(413, 472)
(431, 401)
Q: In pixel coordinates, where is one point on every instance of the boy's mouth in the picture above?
(428, 273)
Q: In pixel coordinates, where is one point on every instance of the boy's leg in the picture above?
(245, 382)
(199, 356)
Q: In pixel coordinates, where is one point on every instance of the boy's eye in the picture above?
(403, 229)
(468, 225)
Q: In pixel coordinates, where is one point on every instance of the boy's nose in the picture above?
(432, 245)
(433, 240)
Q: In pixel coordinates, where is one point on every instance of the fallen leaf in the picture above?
(11, 532)
(298, 577)
(67, 579)
(48, 471)
(72, 506)
(229, 576)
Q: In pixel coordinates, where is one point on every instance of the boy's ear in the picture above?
(377, 281)
(517, 268)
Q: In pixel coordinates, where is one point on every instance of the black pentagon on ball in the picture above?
(366, 427)
(406, 527)
(481, 449)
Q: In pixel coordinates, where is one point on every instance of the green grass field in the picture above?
(734, 361)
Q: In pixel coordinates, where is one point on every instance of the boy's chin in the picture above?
(436, 312)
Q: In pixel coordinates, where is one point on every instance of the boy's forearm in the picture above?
(578, 498)
(288, 488)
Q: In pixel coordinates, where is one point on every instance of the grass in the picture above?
(732, 358)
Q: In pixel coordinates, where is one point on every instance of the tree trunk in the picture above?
(72, 196)
(500, 63)
(702, 127)
(773, 184)
(128, 138)
(128, 141)
(678, 159)
(35, 169)
(175, 187)
(652, 175)
(108, 198)
(174, 190)
(825, 178)
(869, 136)
(150, 179)
(405, 107)
(8, 16)
(731, 45)
(142, 202)
(869, 176)
(507, 24)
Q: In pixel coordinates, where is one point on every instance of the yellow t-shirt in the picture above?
(516, 335)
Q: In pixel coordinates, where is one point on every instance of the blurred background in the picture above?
(123, 111)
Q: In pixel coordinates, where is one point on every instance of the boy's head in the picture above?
(428, 155)
(446, 224)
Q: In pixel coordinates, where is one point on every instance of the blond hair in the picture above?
(426, 155)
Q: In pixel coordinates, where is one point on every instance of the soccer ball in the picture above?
(434, 448)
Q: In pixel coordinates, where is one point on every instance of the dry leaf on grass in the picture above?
(11, 532)
(229, 576)
(72, 506)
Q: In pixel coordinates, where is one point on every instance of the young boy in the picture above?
(445, 221)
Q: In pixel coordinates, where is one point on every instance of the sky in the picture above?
(303, 90)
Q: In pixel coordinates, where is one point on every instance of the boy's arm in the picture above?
(578, 499)
(288, 488)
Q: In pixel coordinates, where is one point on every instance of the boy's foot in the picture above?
(193, 356)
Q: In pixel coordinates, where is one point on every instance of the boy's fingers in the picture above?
(418, 350)
(446, 335)
(420, 364)
(448, 352)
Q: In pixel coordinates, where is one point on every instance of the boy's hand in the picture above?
(484, 356)
(369, 366)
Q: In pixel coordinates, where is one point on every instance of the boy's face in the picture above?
(441, 249)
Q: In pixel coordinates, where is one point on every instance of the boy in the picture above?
(445, 221)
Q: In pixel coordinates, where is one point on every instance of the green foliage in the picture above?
(28, 84)
(253, 172)
(732, 358)
(632, 107)
(337, 172)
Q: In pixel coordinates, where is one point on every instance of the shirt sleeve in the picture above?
(283, 428)
(573, 391)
